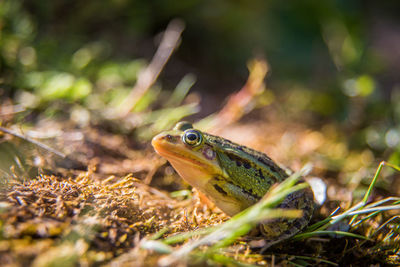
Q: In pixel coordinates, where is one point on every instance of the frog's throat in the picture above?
(194, 170)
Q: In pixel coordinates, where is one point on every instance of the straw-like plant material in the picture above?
(104, 218)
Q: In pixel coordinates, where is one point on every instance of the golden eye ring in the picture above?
(192, 138)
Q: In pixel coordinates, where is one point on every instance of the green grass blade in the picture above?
(380, 208)
(227, 261)
(315, 259)
(320, 223)
(372, 185)
(316, 233)
(181, 90)
(178, 238)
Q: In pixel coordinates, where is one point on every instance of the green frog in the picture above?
(232, 176)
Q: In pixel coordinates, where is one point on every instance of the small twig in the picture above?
(147, 77)
(240, 102)
(39, 144)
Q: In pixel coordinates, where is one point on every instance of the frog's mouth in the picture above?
(174, 152)
(192, 168)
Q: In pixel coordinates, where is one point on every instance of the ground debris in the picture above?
(107, 217)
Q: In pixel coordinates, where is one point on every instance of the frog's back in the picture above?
(249, 168)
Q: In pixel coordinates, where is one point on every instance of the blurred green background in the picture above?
(336, 60)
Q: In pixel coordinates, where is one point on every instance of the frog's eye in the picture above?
(192, 137)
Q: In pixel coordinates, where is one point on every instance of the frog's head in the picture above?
(189, 153)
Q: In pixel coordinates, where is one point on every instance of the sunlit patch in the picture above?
(209, 153)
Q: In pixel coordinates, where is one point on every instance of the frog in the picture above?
(232, 176)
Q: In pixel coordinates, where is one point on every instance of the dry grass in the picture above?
(96, 220)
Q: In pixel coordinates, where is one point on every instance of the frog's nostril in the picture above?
(168, 137)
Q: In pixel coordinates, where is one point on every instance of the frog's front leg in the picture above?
(204, 200)
(277, 230)
(230, 198)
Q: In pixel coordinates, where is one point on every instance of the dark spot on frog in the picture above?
(217, 141)
(250, 192)
(218, 178)
(270, 165)
(247, 165)
(239, 161)
(261, 174)
(219, 189)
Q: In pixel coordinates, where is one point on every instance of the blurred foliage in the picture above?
(331, 59)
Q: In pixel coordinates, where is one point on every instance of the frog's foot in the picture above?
(204, 200)
(281, 229)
